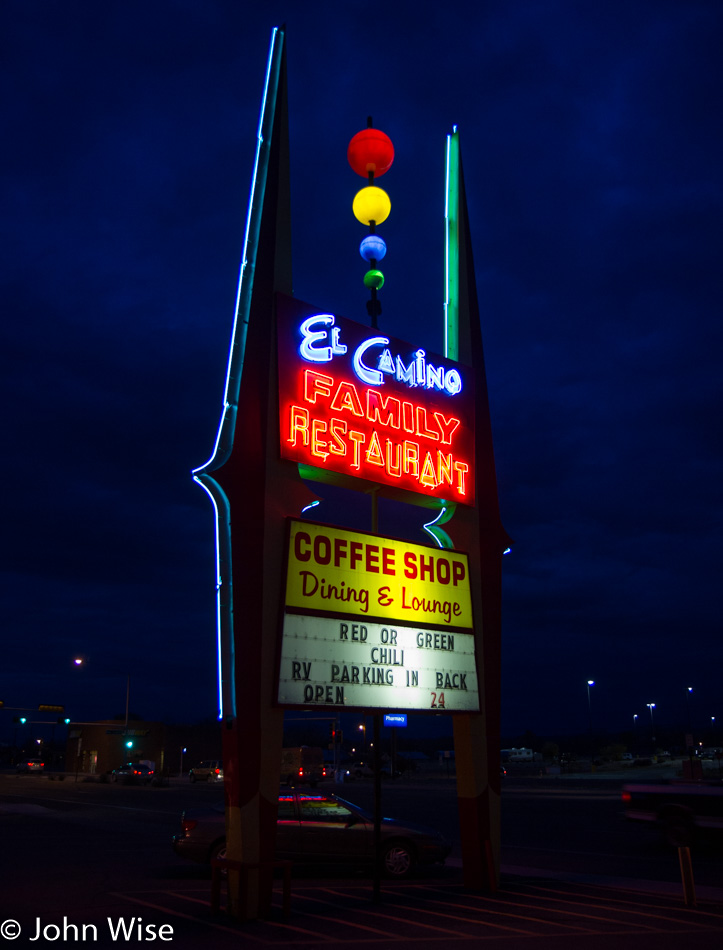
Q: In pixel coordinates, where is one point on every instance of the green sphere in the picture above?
(374, 279)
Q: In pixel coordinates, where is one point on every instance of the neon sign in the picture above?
(373, 407)
(418, 373)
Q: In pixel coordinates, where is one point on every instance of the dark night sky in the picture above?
(591, 140)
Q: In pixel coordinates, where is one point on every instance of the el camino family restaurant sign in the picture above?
(358, 403)
(374, 622)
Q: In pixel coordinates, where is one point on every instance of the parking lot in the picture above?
(336, 913)
(88, 853)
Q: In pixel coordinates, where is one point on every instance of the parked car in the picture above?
(314, 828)
(133, 772)
(209, 771)
(31, 765)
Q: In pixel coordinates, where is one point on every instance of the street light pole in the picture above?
(651, 707)
(589, 710)
(635, 732)
(79, 661)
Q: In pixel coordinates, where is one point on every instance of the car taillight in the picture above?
(626, 797)
(218, 771)
(42, 765)
(188, 824)
(301, 773)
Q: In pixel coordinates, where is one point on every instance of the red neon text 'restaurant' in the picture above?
(413, 438)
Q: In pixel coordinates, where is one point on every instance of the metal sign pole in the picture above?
(377, 808)
(377, 763)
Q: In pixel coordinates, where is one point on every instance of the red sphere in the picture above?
(370, 151)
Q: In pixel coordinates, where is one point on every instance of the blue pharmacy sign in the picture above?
(395, 719)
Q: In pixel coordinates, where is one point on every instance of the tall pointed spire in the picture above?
(250, 487)
(478, 530)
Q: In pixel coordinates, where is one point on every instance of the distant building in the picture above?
(97, 747)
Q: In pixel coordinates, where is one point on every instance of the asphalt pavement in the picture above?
(60, 886)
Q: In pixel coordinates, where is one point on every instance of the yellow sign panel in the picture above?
(363, 575)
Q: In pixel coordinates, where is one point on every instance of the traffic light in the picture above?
(63, 721)
(21, 720)
(129, 744)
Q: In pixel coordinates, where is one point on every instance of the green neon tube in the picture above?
(451, 249)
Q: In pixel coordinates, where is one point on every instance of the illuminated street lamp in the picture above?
(651, 707)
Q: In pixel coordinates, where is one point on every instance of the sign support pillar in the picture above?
(252, 490)
(479, 531)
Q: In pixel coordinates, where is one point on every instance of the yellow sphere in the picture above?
(371, 204)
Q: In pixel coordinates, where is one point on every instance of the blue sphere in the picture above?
(373, 248)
